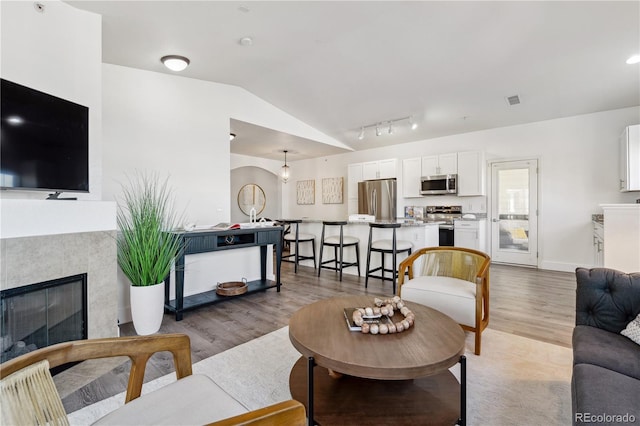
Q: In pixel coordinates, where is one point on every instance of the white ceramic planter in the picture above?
(147, 308)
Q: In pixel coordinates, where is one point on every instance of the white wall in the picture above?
(578, 172)
(179, 127)
(57, 52)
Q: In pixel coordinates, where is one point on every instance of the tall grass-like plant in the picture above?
(146, 250)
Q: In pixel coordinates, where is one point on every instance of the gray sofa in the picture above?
(605, 385)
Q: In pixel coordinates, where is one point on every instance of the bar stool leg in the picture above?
(321, 248)
(313, 250)
(366, 275)
(341, 257)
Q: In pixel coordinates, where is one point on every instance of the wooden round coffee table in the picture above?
(402, 376)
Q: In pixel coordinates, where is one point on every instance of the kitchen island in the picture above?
(420, 234)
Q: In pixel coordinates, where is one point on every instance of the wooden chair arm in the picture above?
(138, 348)
(290, 413)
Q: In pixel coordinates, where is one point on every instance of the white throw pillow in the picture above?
(632, 331)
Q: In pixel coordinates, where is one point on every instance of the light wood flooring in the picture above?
(528, 302)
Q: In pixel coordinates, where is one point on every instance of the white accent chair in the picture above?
(29, 396)
(452, 280)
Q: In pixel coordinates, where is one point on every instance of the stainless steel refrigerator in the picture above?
(377, 198)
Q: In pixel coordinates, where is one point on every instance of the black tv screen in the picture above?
(44, 142)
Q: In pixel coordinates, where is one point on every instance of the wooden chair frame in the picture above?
(139, 349)
(481, 282)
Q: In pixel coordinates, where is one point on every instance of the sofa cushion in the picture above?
(452, 296)
(607, 298)
(632, 330)
(592, 345)
(599, 395)
(193, 400)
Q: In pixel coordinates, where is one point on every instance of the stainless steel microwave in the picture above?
(439, 184)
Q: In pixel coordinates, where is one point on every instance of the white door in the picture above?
(514, 212)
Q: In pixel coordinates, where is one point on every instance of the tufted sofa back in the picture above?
(606, 298)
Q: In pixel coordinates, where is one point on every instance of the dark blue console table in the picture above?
(207, 241)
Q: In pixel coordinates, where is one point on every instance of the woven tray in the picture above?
(231, 288)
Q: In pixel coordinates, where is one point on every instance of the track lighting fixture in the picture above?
(412, 123)
(392, 126)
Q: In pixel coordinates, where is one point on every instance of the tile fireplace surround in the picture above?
(45, 240)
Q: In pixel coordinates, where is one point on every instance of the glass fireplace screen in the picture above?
(43, 314)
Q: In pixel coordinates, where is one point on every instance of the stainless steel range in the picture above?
(445, 215)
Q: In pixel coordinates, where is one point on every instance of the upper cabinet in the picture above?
(471, 173)
(411, 173)
(357, 172)
(383, 169)
(630, 159)
(443, 164)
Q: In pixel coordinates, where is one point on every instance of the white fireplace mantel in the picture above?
(28, 218)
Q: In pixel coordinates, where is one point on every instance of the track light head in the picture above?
(378, 131)
(361, 134)
(412, 123)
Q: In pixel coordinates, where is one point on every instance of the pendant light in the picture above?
(284, 172)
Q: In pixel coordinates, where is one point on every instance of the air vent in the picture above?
(513, 100)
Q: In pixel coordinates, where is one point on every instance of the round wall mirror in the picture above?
(251, 196)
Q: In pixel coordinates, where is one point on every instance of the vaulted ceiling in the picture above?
(341, 65)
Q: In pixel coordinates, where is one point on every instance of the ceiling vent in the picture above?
(513, 100)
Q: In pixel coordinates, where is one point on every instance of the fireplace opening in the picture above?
(42, 314)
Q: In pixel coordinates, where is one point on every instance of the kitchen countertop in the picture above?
(403, 222)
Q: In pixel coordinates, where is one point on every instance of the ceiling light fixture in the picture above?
(635, 59)
(232, 136)
(246, 41)
(175, 62)
(392, 126)
(412, 123)
(284, 171)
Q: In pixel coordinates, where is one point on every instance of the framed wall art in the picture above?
(332, 189)
(306, 191)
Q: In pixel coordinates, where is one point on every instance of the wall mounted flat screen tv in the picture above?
(44, 143)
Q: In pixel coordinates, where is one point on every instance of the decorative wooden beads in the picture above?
(384, 307)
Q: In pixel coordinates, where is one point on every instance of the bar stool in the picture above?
(296, 238)
(385, 246)
(338, 242)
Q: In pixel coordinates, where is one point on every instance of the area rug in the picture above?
(515, 381)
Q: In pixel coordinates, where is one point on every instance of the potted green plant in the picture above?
(146, 246)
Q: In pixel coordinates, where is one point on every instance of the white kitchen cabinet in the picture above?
(630, 159)
(622, 237)
(470, 234)
(382, 169)
(472, 172)
(411, 173)
(443, 164)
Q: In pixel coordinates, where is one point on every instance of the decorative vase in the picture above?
(147, 308)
